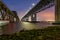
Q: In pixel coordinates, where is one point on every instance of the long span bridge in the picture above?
(13, 21)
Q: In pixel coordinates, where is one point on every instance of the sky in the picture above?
(47, 15)
(23, 6)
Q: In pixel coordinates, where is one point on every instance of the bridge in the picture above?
(8, 18)
(12, 20)
(43, 5)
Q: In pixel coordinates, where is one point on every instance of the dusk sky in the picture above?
(22, 6)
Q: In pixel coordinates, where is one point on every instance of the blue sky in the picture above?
(20, 5)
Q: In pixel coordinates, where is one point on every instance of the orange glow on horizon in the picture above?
(47, 15)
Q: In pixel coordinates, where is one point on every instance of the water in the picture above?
(18, 26)
(38, 25)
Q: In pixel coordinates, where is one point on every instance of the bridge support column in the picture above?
(26, 19)
(11, 18)
(57, 10)
(33, 17)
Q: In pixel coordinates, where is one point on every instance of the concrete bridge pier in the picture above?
(11, 18)
(57, 11)
(26, 19)
(33, 17)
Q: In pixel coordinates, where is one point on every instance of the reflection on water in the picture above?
(3, 23)
(38, 25)
(17, 26)
(28, 26)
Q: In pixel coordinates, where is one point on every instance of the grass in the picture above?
(50, 33)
